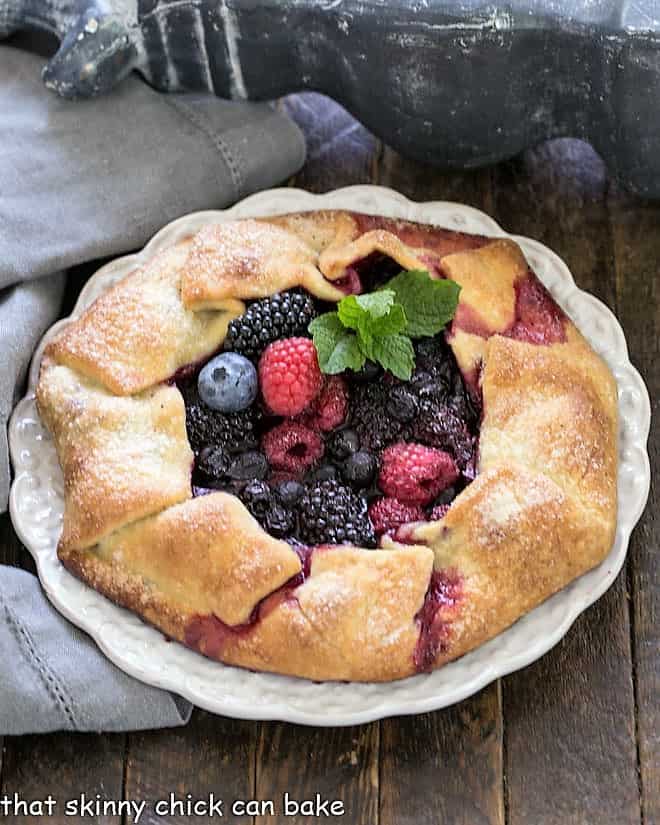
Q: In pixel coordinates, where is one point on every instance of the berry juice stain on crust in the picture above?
(443, 594)
(537, 319)
(209, 635)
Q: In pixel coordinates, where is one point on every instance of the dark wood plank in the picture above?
(12, 551)
(636, 227)
(423, 183)
(443, 767)
(210, 759)
(569, 718)
(339, 764)
(66, 766)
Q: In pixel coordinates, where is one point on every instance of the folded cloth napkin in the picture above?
(54, 678)
(81, 181)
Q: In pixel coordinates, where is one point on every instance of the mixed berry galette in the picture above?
(331, 445)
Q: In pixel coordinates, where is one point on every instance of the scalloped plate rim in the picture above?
(493, 663)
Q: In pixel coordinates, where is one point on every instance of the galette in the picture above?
(331, 445)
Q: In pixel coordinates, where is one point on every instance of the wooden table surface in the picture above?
(575, 737)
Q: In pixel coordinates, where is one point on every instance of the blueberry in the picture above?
(360, 469)
(342, 443)
(228, 383)
(402, 404)
(326, 472)
(290, 492)
(246, 466)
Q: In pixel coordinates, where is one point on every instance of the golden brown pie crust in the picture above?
(541, 511)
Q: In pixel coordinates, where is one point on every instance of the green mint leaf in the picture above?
(346, 355)
(429, 303)
(327, 330)
(376, 304)
(337, 348)
(357, 311)
(396, 354)
(395, 321)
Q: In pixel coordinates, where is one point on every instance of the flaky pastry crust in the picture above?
(540, 512)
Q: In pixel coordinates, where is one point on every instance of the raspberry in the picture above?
(330, 408)
(415, 474)
(290, 376)
(388, 514)
(438, 512)
(292, 447)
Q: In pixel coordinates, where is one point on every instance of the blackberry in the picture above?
(402, 404)
(258, 497)
(433, 356)
(279, 521)
(342, 443)
(370, 417)
(331, 513)
(235, 432)
(213, 463)
(284, 315)
(437, 425)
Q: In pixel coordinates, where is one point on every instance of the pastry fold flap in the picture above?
(542, 509)
(123, 458)
(139, 332)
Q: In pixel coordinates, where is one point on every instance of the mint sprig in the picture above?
(379, 325)
(429, 304)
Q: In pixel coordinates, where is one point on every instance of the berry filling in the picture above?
(537, 320)
(323, 459)
(444, 593)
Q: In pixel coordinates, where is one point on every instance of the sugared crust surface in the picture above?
(139, 332)
(123, 458)
(540, 512)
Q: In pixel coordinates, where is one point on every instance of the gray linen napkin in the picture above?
(81, 181)
(53, 676)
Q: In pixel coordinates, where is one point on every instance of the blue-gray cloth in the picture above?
(53, 676)
(81, 181)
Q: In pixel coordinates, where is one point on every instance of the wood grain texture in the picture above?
(337, 763)
(444, 767)
(636, 229)
(65, 765)
(211, 755)
(569, 718)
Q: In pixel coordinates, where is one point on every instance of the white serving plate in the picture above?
(36, 506)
